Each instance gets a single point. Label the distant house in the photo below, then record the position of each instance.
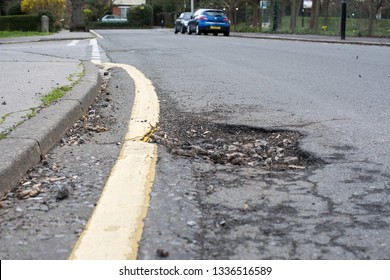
(120, 7)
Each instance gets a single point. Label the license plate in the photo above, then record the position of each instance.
(215, 27)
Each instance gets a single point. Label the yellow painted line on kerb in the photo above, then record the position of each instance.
(116, 225)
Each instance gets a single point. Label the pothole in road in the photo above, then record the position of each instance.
(193, 137)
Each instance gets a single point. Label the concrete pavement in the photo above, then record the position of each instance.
(317, 38)
(62, 35)
(30, 141)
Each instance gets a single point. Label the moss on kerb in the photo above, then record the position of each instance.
(60, 92)
(55, 95)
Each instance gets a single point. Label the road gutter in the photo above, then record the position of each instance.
(116, 225)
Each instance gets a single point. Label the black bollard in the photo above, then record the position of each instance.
(343, 18)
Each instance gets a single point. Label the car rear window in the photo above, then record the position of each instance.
(214, 13)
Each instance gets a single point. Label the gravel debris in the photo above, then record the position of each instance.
(234, 145)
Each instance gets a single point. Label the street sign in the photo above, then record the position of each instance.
(307, 4)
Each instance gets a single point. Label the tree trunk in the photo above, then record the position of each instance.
(293, 19)
(77, 20)
(326, 7)
(315, 11)
(371, 18)
(256, 14)
(276, 15)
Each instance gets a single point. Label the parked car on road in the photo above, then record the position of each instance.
(209, 21)
(182, 22)
(113, 18)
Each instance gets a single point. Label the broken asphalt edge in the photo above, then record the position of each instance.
(33, 139)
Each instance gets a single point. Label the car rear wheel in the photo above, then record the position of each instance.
(226, 33)
(189, 30)
(183, 29)
(176, 31)
(198, 31)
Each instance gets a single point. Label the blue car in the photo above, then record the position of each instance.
(209, 21)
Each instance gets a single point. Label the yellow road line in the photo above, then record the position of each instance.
(116, 225)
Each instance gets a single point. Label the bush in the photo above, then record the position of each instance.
(242, 27)
(15, 9)
(137, 17)
(87, 13)
(56, 7)
(20, 23)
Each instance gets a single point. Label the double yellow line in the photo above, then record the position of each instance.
(116, 225)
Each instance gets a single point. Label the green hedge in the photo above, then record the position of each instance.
(20, 23)
(140, 16)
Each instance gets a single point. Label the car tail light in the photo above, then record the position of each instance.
(226, 19)
(202, 18)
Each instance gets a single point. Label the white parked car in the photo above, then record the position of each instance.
(113, 18)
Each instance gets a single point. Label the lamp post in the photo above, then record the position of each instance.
(235, 19)
(142, 11)
(303, 13)
(343, 19)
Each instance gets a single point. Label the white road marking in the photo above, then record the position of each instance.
(73, 43)
(96, 34)
(95, 57)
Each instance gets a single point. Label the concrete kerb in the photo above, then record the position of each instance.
(29, 142)
(62, 36)
(323, 39)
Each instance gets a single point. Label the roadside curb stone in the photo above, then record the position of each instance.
(15, 161)
(48, 126)
(385, 42)
(29, 142)
(60, 36)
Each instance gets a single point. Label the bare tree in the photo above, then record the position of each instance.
(295, 8)
(373, 9)
(326, 11)
(315, 15)
(256, 12)
(77, 20)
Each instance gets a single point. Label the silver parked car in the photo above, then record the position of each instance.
(182, 22)
(113, 18)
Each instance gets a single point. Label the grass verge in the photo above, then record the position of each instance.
(8, 34)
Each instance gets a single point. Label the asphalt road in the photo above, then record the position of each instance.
(337, 95)
(269, 84)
